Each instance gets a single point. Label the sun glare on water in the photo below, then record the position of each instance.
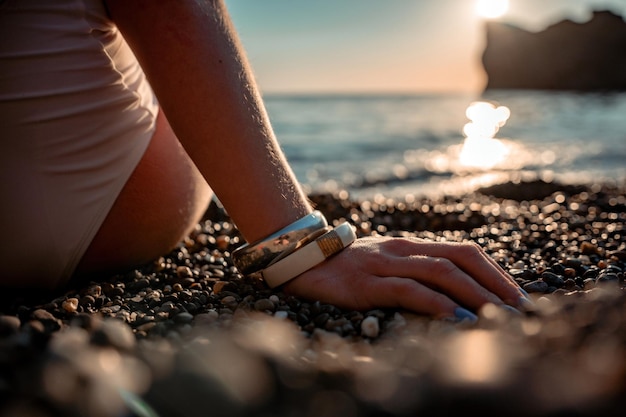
(480, 149)
(491, 9)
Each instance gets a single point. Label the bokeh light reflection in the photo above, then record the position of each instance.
(475, 357)
(480, 149)
(491, 9)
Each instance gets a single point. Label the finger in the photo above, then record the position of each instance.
(476, 263)
(366, 291)
(496, 265)
(398, 292)
(441, 275)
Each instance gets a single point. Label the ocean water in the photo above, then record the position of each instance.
(399, 145)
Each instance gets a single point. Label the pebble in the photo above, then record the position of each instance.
(537, 286)
(552, 279)
(281, 314)
(219, 286)
(8, 325)
(572, 260)
(230, 301)
(113, 332)
(370, 327)
(87, 300)
(70, 305)
(264, 304)
(48, 321)
(183, 318)
(274, 299)
(94, 291)
(184, 272)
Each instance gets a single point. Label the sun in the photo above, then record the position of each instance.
(492, 9)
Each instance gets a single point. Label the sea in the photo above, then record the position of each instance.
(415, 145)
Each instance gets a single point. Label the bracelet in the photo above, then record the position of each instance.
(251, 258)
(309, 255)
(304, 241)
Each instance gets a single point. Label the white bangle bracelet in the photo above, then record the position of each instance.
(309, 255)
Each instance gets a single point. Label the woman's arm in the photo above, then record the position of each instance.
(193, 59)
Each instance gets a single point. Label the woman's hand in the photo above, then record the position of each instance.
(443, 280)
(197, 39)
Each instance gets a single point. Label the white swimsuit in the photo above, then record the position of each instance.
(76, 115)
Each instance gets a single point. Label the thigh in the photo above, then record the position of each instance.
(160, 204)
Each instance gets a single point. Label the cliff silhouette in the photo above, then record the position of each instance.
(588, 56)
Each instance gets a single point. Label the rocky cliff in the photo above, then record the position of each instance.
(565, 56)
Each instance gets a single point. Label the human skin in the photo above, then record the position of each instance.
(192, 57)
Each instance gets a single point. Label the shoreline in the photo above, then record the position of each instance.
(188, 336)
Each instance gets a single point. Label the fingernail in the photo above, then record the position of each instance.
(511, 309)
(462, 314)
(526, 303)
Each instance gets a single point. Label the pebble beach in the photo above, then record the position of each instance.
(187, 335)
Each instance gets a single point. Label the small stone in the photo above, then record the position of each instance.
(70, 305)
(544, 303)
(204, 319)
(217, 273)
(86, 321)
(281, 314)
(222, 242)
(230, 302)
(569, 272)
(589, 283)
(570, 284)
(591, 273)
(524, 274)
(141, 283)
(144, 318)
(608, 278)
(264, 304)
(167, 306)
(573, 263)
(274, 299)
(161, 315)
(87, 300)
(320, 320)
(184, 272)
(95, 291)
(552, 279)
(219, 286)
(370, 327)
(183, 318)
(185, 295)
(398, 321)
(9, 325)
(114, 332)
(146, 327)
(49, 322)
(536, 286)
(587, 248)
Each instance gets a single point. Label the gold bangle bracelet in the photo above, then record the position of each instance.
(308, 256)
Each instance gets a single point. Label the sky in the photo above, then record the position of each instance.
(381, 46)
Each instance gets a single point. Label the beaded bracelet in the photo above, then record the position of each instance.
(308, 256)
(251, 258)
